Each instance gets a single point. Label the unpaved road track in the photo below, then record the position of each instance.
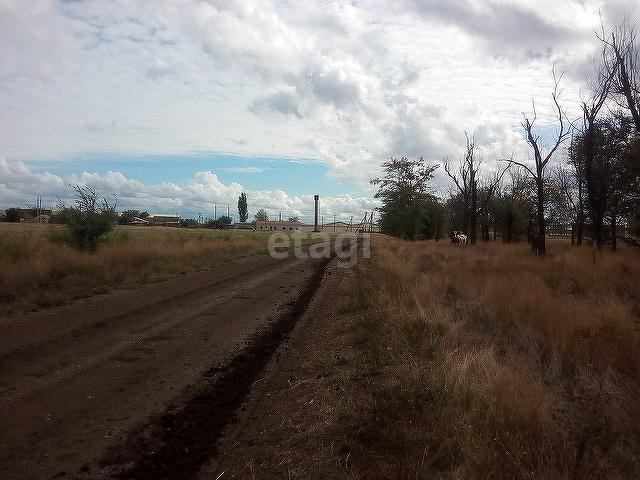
(139, 383)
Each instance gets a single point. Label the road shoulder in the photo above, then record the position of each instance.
(287, 426)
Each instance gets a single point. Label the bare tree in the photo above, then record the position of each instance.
(620, 61)
(466, 182)
(538, 170)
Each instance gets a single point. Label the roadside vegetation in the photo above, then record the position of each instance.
(88, 222)
(38, 270)
(491, 362)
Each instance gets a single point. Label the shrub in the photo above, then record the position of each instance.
(89, 221)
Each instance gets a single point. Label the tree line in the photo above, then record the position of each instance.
(90, 219)
(595, 188)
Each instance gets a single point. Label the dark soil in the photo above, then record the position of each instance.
(176, 443)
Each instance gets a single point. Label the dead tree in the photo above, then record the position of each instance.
(538, 170)
(620, 61)
(466, 182)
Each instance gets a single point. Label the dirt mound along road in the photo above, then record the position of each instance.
(138, 384)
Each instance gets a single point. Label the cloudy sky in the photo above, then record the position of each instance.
(178, 106)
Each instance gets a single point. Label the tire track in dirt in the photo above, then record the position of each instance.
(178, 442)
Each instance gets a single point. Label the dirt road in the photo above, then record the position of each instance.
(140, 383)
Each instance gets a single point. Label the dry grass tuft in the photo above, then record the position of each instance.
(490, 362)
(38, 272)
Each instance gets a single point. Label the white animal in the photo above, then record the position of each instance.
(459, 237)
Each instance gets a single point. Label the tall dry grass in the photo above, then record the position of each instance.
(36, 271)
(487, 361)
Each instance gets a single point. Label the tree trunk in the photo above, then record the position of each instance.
(474, 211)
(580, 226)
(465, 214)
(598, 229)
(511, 218)
(541, 247)
(580, 232)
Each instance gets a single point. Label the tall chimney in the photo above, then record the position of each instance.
(315, 228)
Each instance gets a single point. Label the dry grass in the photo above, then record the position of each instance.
(487, 361)
(38, 272)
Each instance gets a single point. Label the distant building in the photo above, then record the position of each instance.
(244, 226)
(280, 225)
(287, 226)
(168, 220)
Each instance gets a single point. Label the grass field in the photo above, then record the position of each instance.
(36, 271)
(489, 362)
(467, 362)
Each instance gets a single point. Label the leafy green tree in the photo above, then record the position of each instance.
(189, 223)
(14, 215)
(607, 147)
(220, 223)
(513, 206)
(405, 196)
(90, 220)
(570, 179)
(261, 215)
(434, 220)
(243, 210)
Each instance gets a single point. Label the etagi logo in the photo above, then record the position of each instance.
(345, 246)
